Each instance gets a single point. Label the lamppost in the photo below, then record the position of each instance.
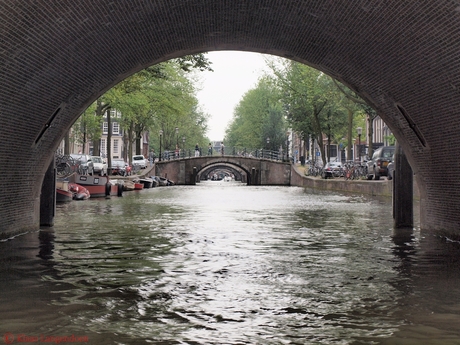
(177, 136)
(360, 131)
(161, 134)
(183, 145)
(268, 147)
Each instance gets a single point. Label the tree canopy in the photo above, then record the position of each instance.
(160, 97)
(258, 116)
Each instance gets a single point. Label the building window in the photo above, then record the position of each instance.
(115, 113)
(115, 128)
(115, 146)
(103, 148)
(105, 128)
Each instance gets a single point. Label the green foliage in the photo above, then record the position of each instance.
(316, 105)
(197, 61)
(160, 97)
(258, 116)
(88, 127)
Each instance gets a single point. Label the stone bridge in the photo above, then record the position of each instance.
(253, 171)
(58, 57)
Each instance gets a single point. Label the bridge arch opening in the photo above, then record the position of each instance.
(54, 59)
(219, 171)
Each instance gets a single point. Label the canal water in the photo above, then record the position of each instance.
(225, 263)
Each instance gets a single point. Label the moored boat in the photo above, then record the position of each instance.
(63, 194)
(128, 185)
(98, 186)
(79, 192)
(147, 182)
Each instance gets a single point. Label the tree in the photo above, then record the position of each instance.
(150, 95)
(258, 116)
(312, 105)
(87, 128)
(360, 104)
(158, 98)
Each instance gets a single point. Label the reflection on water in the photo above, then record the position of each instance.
(224, 263)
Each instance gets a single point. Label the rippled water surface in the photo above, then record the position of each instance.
(225, 263)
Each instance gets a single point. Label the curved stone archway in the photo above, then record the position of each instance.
(239, 173)
(58, 57)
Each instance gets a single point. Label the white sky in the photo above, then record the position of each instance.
(234, 74)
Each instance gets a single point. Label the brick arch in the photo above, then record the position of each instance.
(240, 172)
(227, 162)
(58, 57)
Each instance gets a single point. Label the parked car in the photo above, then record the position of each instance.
(332, 169)
(120, 167)
(81, 163)
(97, 165)
(378, 165)
(139, 162)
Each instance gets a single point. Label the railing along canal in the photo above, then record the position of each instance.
(228, 151)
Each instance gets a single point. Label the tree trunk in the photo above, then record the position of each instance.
(370, 135)
(306, 144)
(138, 143)
(83, 149)
(319, 133)
(350, 134)
(130, 142)
(67, 144)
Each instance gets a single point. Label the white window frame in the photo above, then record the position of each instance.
(115, 128)
(103, 147)
(115, 146)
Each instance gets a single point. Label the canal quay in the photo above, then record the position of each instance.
(382, 187)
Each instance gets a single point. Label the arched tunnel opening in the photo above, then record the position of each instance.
(403, 79)
(219, 172)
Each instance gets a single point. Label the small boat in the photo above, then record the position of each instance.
(79, 192)
(155, 181)
(138, 185)
(128, 185)
(165, 182)
(147, 182)
(63, 194)
(97, 186)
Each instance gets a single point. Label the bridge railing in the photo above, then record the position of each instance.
(228, 151)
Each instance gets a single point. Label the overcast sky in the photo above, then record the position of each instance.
(234, 74)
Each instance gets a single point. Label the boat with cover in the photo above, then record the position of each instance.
(98, 186)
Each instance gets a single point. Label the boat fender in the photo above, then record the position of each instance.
(108, 189)
(120, 189)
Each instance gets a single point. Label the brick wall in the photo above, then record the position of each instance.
(56, 57)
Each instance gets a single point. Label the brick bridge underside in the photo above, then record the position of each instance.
(57, 57)
(257, 171)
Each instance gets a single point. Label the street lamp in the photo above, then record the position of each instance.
(183, 145)
(268, 146)
(177, 136)
(161, 134)
(360, 131)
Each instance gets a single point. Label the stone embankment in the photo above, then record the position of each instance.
(382, 187)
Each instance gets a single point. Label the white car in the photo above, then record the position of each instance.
(139, 162)
(97, 165)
